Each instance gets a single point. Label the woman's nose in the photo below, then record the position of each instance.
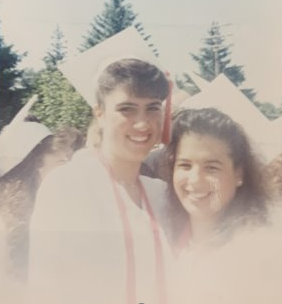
(141, 122)
(194, 175)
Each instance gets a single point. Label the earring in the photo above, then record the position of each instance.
(239, 183)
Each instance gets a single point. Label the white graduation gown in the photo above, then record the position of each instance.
(77, 246)
(245, 270)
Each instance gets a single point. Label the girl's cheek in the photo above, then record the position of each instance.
(214, 183)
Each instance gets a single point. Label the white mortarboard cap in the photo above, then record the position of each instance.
(17, 141)
(222, 94)
(200, 82)
(19, 138)
(83, 69)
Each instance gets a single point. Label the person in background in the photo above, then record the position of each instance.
(273, 176)
(232, 254)
(155, 164)
(28, 152)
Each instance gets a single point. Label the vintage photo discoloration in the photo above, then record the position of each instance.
(140, 151)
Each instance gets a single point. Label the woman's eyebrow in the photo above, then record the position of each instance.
(154, 104)
(157, 102)
(127, 103)
(182, 159)
(214, 161)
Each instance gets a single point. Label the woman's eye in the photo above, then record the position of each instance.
(184, 166)
(212, 169)
(154, 108)
(125, 109)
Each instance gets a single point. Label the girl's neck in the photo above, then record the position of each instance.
(202, 230)
(126, 174)
(123, 171)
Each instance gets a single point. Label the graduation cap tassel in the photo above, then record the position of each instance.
(167, 117)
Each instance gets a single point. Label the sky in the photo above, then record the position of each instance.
(178, 28)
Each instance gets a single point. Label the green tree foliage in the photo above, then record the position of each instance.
(11, 88)
(116, 16)
(250, 93)
(187, 84)
(59, 104)
(58, 50)
(268, 109)
(28, 81)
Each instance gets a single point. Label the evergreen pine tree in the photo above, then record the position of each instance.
(11, 88)
(58, 51)
(186, 83)
(116, 16)
(215, 58)
(268, 109)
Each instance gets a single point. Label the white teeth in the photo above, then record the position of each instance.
(198, 195)
(139, 138)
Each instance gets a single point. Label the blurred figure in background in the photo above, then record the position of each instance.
(273, 176)
(28, 151)
(155, 164)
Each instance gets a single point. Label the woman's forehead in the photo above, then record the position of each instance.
(124, 96)
(202, 145)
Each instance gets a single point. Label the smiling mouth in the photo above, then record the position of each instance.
(139, 139)
(198, 196)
